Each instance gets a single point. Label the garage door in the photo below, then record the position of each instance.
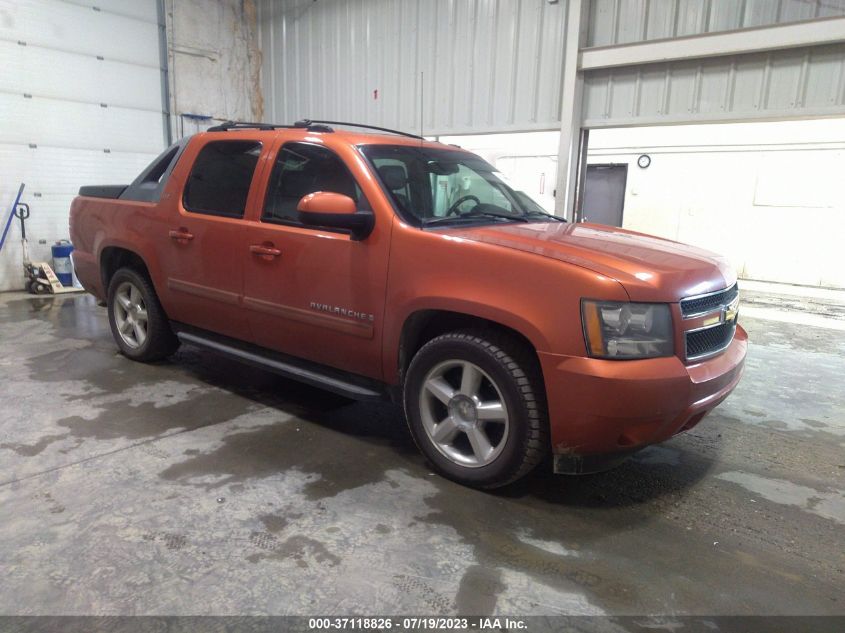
(80, 103)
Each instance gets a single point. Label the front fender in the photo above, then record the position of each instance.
(536, 296)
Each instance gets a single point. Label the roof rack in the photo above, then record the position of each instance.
(309, 123)
(240, 125)
(246, 125)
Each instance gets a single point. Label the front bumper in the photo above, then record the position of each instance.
(609, 408)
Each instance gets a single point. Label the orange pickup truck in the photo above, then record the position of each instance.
(382, 265)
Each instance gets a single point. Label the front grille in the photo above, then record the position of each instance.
(710, 340)
(708, 303)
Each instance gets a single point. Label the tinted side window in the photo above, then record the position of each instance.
(220, 178)
(301, 169)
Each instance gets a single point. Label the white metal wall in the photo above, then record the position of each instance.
(730, 188)
(80, 103)
(792, 83)
(488, 65)
(625, 21)
(496, 65)
(769, 196)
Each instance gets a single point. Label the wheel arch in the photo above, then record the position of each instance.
(423, 325)
(113, 258)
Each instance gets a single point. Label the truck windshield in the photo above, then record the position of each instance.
(445, 187)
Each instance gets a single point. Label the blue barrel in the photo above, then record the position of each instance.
(62, 265)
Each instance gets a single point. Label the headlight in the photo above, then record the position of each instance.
(614, 329)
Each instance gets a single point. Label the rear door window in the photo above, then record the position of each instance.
(221, 177)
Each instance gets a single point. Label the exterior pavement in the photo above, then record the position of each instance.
(201, 486)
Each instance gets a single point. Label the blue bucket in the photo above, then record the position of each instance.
(62, 265)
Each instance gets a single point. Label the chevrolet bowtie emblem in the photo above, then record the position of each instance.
(731, 310)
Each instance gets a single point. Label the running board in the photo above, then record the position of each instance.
(289, 367)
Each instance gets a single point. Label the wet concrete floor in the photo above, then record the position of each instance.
(199, 485)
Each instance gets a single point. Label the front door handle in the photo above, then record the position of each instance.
(266, 251)
(182, 235)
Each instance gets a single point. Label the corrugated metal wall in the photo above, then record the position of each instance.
(496, 65)
(488, 65)
(781, 84)
(624, 21)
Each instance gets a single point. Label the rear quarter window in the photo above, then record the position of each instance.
(220, 178)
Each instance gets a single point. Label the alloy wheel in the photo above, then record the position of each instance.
(463, 413)
(130, 314)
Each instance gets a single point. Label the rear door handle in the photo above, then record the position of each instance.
(264, 250)
(182, 235)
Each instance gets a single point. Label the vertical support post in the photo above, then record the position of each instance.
(165, 73)
(570, 110)
(581, 176)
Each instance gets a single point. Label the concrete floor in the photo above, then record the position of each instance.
(203, 486)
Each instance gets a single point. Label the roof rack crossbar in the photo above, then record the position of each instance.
(239, 125)
(312, 126)
(309, 122)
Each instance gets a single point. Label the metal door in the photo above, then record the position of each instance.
(604, 194)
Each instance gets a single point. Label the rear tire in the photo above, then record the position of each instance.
(476, 407)
(138, 323)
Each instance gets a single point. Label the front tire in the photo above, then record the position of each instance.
(476, 407)
(138, 323)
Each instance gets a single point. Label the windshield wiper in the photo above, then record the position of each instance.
(543, 214)
(474, 216)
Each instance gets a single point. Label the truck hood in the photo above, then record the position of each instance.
(649, 268)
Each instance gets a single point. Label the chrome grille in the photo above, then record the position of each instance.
(710, 340)
(708, 303)
(716, 314)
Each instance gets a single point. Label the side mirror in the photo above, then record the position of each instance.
(336, 211)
